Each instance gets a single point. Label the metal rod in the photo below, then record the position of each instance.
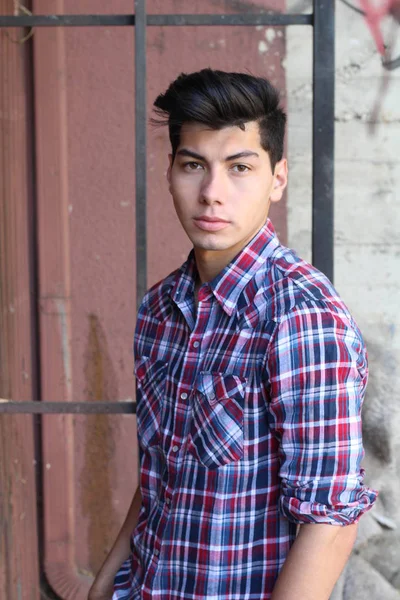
(88, 408)
(323, 137)
(243, 19)
(272, 19)
(140, 152)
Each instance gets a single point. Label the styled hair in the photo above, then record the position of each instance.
(219, 99)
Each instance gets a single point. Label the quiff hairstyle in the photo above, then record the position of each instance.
(219, 99)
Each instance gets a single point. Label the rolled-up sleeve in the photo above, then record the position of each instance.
(317, 372)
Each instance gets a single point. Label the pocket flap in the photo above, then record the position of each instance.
(150, 383)
(216, 386)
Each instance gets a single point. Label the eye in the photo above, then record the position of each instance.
(240, 168)
(192, 166)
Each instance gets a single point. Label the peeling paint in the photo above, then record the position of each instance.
(262, 47)
(65, 344)
(270, 34)
(219, 43)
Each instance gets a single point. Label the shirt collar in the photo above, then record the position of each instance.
(229, 284)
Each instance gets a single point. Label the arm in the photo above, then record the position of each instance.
(102, 588)
(315, 562)
(317, 367)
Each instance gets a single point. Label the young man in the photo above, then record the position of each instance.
(250, 378)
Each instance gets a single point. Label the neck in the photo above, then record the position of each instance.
(210, 264)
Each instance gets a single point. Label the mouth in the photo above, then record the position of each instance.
(210, 223)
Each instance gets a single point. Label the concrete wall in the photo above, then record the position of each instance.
(367, 263)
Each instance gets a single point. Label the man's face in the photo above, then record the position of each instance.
(222, 185)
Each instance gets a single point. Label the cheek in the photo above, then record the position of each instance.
(249, 195)
(250, 207)
(184, 193)
(181, 204)
(249, 187)
(177, 203)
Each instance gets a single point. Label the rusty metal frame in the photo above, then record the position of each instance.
(323, 22)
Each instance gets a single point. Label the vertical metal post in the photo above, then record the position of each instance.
(140, 148)
(323, 136)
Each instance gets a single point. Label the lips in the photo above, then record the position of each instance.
(210, 223)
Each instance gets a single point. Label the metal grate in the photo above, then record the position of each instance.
(323, 22)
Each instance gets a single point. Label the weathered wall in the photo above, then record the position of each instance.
(367, 219)
(19, 573)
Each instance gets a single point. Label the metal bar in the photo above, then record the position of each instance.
(140, 149)
(243, 19)
(67, 20)
(323, 136)
(83, 408)
(272, 19)
(35, 318)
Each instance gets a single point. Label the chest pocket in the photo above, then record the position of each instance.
(216, 431)
(150, 383)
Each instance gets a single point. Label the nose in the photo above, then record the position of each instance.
(212, 188)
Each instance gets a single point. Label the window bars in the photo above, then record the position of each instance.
(322, 19)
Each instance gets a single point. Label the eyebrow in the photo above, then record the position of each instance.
(192, 154)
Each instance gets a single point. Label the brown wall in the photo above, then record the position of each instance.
(19, 571)
(85, 176)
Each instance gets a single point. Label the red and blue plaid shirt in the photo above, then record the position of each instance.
(248, 417)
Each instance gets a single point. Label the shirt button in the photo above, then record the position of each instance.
(196, 344)
(156, 552)
(212, 396)
(184, 395)
(175, 448)
(168, 501)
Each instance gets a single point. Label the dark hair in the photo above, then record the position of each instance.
(219, 99)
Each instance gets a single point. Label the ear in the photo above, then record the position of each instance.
(280, 180)
(169, 170)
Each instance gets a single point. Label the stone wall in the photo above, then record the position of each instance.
(367, 262)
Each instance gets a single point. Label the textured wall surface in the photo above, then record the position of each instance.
(367, 261)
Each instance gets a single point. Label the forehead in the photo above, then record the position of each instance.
(198, 135)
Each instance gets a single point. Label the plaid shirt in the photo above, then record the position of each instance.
(248, 417)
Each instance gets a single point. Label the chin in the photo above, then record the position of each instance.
(210, 247)
(208, 242)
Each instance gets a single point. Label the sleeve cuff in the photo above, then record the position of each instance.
(302, 512)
